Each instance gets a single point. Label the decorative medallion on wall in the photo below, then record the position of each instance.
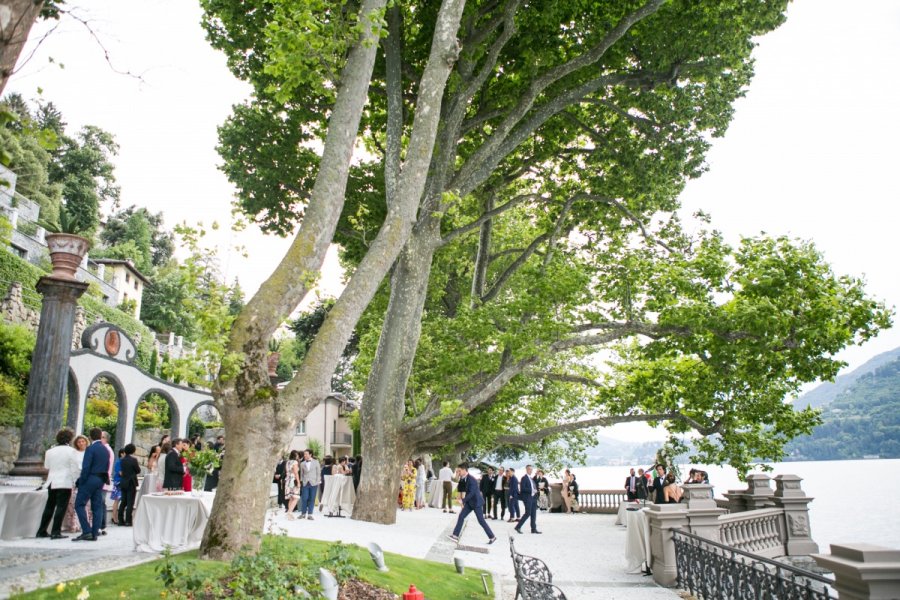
(109, 340)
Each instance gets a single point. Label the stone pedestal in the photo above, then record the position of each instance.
(863, 571)
(664, 518)
(790, 497)
(703, 513)
(759, 492)
(49, 373)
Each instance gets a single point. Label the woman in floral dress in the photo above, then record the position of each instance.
(408, 477)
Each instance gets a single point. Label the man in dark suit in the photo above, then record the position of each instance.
(174, 474)
(94, 474)
(528, 492)
(487, 490)
(659, 482)
(631, 483)
(129, 469)
(513, 495)
(472, 502)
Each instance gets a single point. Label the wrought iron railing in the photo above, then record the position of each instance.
(714, 571)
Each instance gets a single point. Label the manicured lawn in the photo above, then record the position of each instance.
(436, 580)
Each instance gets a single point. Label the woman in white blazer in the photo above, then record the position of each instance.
(63, 465)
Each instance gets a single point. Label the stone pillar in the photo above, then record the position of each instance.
(664, 518)
(737, 500)
(703, 513)
(759, 493)
(49, 373)
(790, 497)
(863, 571)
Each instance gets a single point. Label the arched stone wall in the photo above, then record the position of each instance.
(108, 351)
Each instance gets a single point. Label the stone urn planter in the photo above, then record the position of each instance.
(66, 253)
(272, 363)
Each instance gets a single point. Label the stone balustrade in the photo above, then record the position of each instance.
(758, 531)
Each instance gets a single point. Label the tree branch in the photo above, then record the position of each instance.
(487, 215)
(393, 58)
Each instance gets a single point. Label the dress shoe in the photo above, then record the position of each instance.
(58, 536)
(42, 534)
(492, 540)
(84, 537)
(517, 530)
(102, 532)
(453, 538)
(537, 532)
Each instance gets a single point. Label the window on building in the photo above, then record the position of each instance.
(135, 284)
(301, 428)
(127, 278)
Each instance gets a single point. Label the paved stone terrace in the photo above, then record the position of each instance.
(585, 552)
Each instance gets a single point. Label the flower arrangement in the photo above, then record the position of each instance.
(202, 462)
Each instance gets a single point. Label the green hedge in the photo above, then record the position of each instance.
(13, 268)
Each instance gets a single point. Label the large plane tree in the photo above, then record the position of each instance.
(536, 225)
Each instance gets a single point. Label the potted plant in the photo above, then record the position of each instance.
(66, 244)
(274, 356)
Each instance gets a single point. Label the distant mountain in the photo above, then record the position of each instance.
(862, 421)
(827, 392)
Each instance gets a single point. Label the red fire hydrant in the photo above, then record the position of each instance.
(413, 594)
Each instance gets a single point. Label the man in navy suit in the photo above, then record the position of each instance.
(94, 474)
(473, 502)
(528, 493)
(513, 498)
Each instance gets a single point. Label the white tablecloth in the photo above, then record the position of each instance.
(637, 540)
(175, 521)
(436, 493)
(20, 512)
(339, 493)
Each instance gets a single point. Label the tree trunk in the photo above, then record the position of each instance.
(16, 19)
(384, 406)
(237, 517)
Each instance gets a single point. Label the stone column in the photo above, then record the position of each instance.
(790, 497)
(863, 571)
(49, 373)
(703, 513)
(759, 492)
(664, 518)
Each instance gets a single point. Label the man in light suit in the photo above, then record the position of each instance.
(94, 474)
(528, 492)
(472, 502)
(62, 465)
(310, 474)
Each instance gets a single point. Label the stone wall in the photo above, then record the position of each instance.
(9, 448)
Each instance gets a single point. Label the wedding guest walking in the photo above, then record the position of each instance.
(528, 491)
(61, 462)
(513, 498)
(472, 502)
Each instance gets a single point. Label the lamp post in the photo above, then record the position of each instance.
(49, 373)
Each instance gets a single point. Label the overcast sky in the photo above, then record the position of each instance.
(812, 151)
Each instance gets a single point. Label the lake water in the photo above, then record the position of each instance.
(854, 499)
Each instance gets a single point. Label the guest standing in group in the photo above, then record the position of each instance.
(108, 486)
(212, 480)
(528, 491)
(327, 469)
(150, 483)
(94, 473)
(116, 493)
(70, 522)
(488, 479)
(61, 462)
(279, 478)
(631, 484)
(672, 492)
(659, 484)
(420, 483)
(500, 488)
(292, 487)
(357, 471)
(408, 483)
(129, 469)
(543, 489)
(513, 497)
(445, 477)
(310, 473)
(472, 502)
(174, 474)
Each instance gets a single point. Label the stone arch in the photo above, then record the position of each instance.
(197, 407)
(73, 396)
(122, 417)
(174, 416)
